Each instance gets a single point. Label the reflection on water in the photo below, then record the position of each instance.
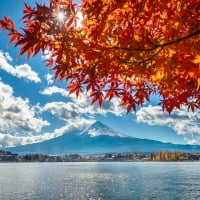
(109, 181)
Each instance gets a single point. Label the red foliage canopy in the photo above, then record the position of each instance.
(120, 48)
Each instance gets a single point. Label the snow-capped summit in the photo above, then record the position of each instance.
(97, 129)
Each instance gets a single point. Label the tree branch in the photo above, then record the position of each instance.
(148, 59)
(156, 45)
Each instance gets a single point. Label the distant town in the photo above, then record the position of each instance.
(7, 156)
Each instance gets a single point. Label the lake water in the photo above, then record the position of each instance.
(93, 181)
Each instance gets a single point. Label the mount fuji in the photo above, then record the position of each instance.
(96, 139)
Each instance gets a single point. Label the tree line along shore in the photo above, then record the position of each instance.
(7, 156)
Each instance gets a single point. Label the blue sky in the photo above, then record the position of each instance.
(34, 107)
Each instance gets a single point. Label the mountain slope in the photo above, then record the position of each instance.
(99, 138)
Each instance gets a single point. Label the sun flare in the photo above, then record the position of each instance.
(60, 16)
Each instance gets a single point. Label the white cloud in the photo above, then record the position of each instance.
(20, 71)
(54, 90)
(7, 56)
(16, 114)
(83, 102)
(8, 140)
(64, 111)
(25, 71)
(46, 55)
(181, 121)
(192, 141)
(49, 78)
(79, 19)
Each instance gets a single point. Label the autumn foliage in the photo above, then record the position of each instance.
(129, 49)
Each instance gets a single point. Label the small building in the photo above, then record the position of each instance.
(194, 156)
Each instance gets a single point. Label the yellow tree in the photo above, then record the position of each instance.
(129, 49)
